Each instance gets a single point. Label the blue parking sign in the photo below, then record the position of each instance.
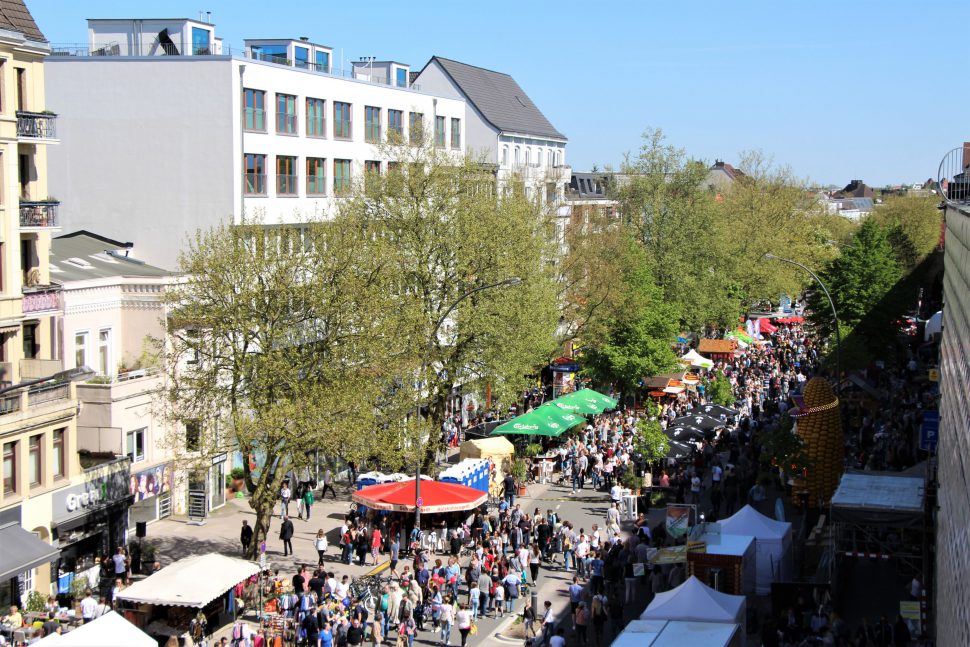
(929, 432)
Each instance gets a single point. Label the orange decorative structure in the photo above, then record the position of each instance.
(820, 426)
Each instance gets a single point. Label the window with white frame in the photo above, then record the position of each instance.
(505, 156)
(104, 351)
(528, 157)
(80, 349)
(135, 445)
(539, 157)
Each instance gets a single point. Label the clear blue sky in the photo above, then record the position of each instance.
(837, 90)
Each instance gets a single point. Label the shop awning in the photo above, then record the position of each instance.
(436, 496)
(190, 582)
(109, 630)
(22, 551)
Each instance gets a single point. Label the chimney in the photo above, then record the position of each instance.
(305, 39)
(966, 154)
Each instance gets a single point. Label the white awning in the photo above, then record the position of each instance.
(190, 582)
(110, 630)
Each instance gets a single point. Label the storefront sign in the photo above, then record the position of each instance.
(221, 458)
(79, 500)
(151, 482)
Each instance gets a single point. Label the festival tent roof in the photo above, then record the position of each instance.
(676, 633)
(702, 422)
(191, 582)
(487, 448)
(677, 449)
(585, 401)
(712, 410)
(773, 543)
(722, 346)
(110, 630)
(660, 382)
(684, 433)
(544, 421)
(436, 497)
(695, 601)
(934, 325)
(694, 358)
(884, 499)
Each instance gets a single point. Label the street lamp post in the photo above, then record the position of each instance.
(431, 339)
(835, 315)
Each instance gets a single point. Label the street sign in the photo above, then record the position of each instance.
(929, 432)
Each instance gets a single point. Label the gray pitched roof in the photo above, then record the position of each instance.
(499, 98)
(82, 255)
(14, 16)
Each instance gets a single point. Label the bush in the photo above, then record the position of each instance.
(533, 449)
(35, 602)
(238, 473)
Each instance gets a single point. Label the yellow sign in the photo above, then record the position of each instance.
(934, 375)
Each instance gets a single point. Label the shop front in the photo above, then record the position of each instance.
(22, 552)
(151, 494)
(90, 522)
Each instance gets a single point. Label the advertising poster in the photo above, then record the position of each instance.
(678, 519)
(151, 482)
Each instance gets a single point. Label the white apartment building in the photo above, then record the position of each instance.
(504, 126)
(166, 130)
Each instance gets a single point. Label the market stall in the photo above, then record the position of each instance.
(436, 497)
(773, 545)
(694, 601)
(109, 630)
(731, 560)
(174, 594)
(693, 358)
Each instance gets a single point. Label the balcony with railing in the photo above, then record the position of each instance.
(42, 300)
(22, 404)
(39, 214)
(953, 177)
(36, 127)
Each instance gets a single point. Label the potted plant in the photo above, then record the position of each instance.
(519, 471)
(148, 553)
(533, 449)
(238, 479)
(631, 481)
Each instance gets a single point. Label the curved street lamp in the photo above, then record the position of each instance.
(431, 338)
(835, 315)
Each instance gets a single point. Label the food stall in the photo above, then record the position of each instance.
(729, 559)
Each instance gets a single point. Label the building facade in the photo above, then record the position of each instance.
(271, 131)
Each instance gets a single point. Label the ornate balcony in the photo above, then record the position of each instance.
(36, 127)
(42, 300)
(39, 214)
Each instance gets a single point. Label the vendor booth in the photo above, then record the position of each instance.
(677, 633)
(697, 602)
(172, 596)
(695, 359)
(498, 451)
(719, 350)
(109, 630)
(729, 560)
(773, 545)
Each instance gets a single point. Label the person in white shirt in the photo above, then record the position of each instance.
(89, 607)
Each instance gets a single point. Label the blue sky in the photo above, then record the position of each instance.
(875, 90)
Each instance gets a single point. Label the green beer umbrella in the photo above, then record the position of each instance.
(544, 421)
(584, 401)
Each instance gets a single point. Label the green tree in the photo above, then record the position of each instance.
(650, 441)
(663, 196)
(277, 348)
(913, 223)
(452, 233)
(860, 281)
(719, 390)
(638, 337)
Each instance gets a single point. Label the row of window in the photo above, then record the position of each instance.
(41, 468)
(554, 157)
(287, 175)
(315, 113)
(82, 357)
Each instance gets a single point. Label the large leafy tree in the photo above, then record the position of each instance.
(860, 281)
(277, 347)
(913, 225)
(451, 233)
(662, 195)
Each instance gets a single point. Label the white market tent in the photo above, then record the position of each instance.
(742, 546)
(696, 602)
(934, 326)
(676, 633)
(773, 544)
(110, 630)
(190, 582)
(694, 358)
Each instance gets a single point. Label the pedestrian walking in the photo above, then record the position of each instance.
(286, 534)
(245, 536)
(285, 495)
(307, 502)
(328, 484)
(320, 544)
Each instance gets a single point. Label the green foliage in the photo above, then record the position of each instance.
(650, 441)
(533, 449)
(783, 448)
(519, 470)
(35, 602)
(637, 337)
(238, 473)
(719, 390)
(860, 280)
(913, 223)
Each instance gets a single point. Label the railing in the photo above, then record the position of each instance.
(316, 185)
(44, 394)
(38, 213)
(953, 176)
(36, 125)
(286, 123)
(41, 301)
(286, 184)
(9, 404)
(255, 183)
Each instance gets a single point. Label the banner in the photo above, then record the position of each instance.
(151, 482)
(678, 519)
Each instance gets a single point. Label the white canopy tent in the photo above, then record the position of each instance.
(190, 582)
(110, 630)
(934, 325)
(694, 358)
(695, 601)
(676, 633)
(773, 544)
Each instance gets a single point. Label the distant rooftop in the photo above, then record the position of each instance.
(81, 255)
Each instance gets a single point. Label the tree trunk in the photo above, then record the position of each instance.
(263, 507)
